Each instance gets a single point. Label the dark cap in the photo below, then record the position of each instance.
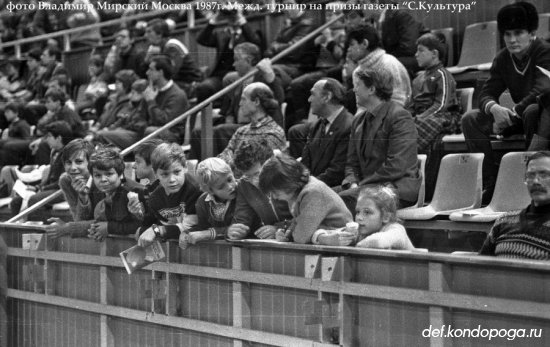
(519, 15)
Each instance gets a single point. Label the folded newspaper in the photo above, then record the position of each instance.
(137, 257)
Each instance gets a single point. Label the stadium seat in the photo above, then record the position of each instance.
(129, 171)
(192, 167)
(465, 98)
(510, 193)
(448, 34)
(458, 187)
(543, 31)
(479, 47)
(422, 191)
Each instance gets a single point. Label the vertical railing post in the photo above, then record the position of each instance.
(106, 335)
(438, 282)
(171, 284)
(241, 293)
(207, 139)
(18, 51)
(3, 291)
(67, 42)
(345, 305)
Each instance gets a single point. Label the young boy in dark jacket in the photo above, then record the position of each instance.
(216, 205)
(171, 208)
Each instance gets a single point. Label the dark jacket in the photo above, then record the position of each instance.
(306, 55)
(119, 220)
(325, 154)
(169, 210)
(386, 151)
(254, 210)
(219, 38)
(206, 220)
(400, 32)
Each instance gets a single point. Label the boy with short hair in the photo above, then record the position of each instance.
(17, 134)
(172, 203)
(144, 171)
(433, 103)
(18, 128)
(216, 205)
(110, 215)
(58, 134)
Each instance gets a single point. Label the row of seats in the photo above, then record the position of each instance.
(458, 189)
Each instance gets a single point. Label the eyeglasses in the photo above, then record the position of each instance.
(541, 175)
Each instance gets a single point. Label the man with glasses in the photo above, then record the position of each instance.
(525, 234)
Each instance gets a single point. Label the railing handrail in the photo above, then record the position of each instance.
(192, 110)
(441, 257)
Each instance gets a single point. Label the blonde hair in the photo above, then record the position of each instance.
(209, 170)
(385, 198)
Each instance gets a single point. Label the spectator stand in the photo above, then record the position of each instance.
(204, 106)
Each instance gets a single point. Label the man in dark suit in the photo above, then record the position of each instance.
(325, 151)
(383, 142)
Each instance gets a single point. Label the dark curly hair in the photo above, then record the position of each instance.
(76, 147)
(250, 152)
(283, 173)
(106, 158)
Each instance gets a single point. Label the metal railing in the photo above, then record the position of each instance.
(268, 293)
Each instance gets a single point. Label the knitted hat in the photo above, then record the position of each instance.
(520, 15)
(140, 85)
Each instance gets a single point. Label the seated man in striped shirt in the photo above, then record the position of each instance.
(525, 234)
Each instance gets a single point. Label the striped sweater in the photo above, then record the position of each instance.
(521, 234)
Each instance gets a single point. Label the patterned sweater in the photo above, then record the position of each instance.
(266, 127)
(521, 234)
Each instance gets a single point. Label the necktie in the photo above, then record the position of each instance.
(324, 123)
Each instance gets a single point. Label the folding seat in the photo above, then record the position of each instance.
(510, 192)
(479, 47)
(543, 31)
(422, 191)
(465, 98)
(458, 187)
(192, 167)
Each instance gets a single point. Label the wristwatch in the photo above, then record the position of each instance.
(156, 230)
